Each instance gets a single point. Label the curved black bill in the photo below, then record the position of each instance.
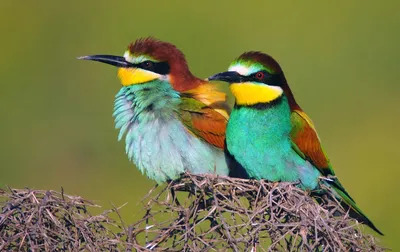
(230, 76)
(117, 61)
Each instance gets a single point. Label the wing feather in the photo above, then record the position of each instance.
(306, 143)
(205, 114)
(306, 138)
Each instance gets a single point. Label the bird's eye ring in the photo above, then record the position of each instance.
(260, 75)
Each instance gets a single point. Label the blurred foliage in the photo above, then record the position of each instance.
(56, 129)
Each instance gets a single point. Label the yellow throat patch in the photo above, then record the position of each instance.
(248, 93)
(131, 76)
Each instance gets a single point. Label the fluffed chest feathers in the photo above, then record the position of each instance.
(156, 140)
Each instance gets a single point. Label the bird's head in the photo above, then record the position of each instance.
(255, 78)
(149, 59)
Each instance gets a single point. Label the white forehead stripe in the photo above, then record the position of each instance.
(242, 70)
(128, 56)
(133, 59)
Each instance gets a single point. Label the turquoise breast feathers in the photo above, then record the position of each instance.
(156, 140)
(260, 142)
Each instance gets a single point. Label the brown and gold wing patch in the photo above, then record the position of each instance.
(203, 121)
(211, 126)
(306, 138)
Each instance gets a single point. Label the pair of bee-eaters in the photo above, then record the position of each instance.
(175, 122)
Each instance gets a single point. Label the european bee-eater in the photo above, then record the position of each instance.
(172, 121)
(270, 136)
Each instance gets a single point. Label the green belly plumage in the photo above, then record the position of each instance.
(259, 139)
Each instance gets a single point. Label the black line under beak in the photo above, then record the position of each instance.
(117, 61)
(231, 77)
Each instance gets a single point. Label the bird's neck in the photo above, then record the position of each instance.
(289, 95)
(264, 119)
(147, 101)
(181, 78)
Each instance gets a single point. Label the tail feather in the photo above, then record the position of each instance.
(348, 203)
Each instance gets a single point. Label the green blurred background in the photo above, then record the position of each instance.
(340, 57)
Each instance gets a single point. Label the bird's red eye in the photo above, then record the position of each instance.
(260, 75)
(147, 64)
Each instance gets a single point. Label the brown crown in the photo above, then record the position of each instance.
(262, 58)
(180, 76)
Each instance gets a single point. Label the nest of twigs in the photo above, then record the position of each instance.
(195, 213)
(208, 213)
(37, 220)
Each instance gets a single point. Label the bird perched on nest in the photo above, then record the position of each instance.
(173, 121)
(270, 136)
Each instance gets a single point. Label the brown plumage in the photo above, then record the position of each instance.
(211, 126)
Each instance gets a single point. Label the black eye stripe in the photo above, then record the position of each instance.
(270, 79)
(156, 67)
(275, 80)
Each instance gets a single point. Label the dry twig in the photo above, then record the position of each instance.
(37, 220)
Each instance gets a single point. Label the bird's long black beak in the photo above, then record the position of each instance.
(117, 61)
(230, 76)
